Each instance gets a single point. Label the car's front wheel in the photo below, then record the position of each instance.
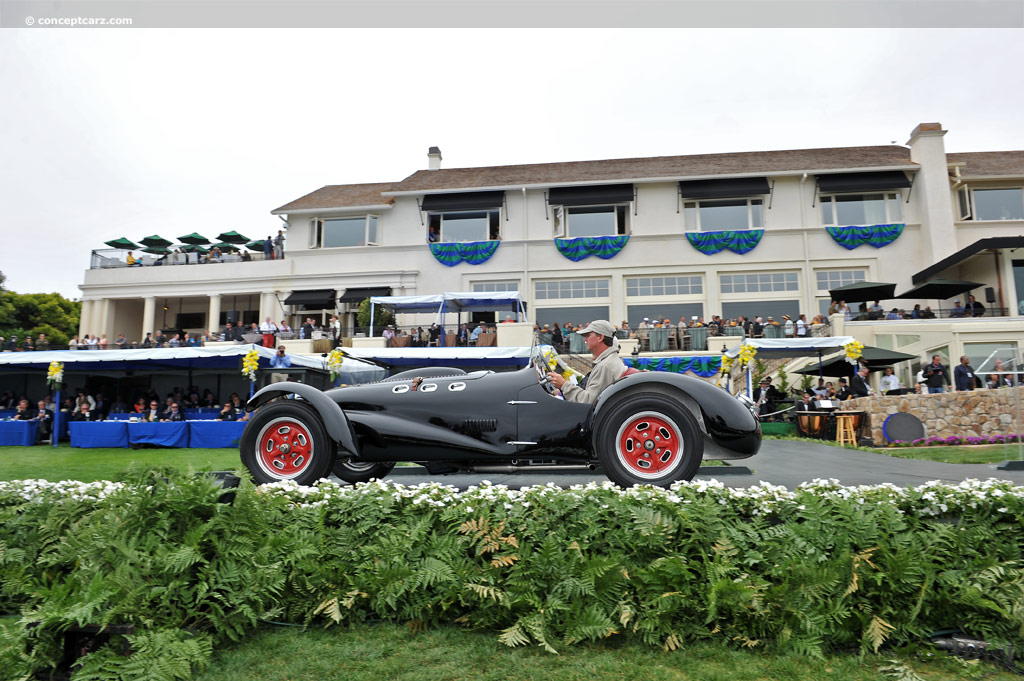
(361, 471)
(648, 439)
(285, 440)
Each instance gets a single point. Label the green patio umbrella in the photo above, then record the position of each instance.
(194, 248)
(864, 292)
(233, 237)
(255, 246)
(874, 358)
(156, 249)
(194, 239)
(225, 247)
(940, 289)
(155, 241)
(122, 243)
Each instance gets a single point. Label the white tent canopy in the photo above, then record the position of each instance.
(453, 301)
(812, 346)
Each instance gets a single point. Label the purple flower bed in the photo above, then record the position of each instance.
(956, 440)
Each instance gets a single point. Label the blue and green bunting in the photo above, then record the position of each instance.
(875, 235)
(473, 252)
(704, 367)
(740, 241)
(603, 247)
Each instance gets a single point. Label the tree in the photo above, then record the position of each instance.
(381, 318)
(30, 314)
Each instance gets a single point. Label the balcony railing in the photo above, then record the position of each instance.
(112, 258)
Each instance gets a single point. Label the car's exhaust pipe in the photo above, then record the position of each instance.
(540, 468)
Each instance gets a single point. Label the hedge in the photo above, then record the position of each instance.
(810, 570)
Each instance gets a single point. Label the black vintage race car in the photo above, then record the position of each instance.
(647, 428)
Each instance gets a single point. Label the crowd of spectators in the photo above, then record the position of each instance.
(84, 405)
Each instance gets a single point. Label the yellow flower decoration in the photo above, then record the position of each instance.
(747, 354)
(854, 349)
(558, 365)
(55, 374)
(726, 367)
(250, 363)
(334, 361)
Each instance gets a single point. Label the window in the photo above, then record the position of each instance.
(861, 209)
(479, 225)
(983, 356)
(999, 204)
(495, 286)
(707, 216)
(576, 288)
(595, 220)
(765, 282)
(830, 279)
(345, 232)
(664, 286)
(963, 200)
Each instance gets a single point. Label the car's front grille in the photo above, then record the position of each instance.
(480, 425)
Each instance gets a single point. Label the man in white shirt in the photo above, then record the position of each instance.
(801, 326)
(889, 382)
(268, 328)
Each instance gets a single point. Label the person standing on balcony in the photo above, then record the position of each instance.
(279, 245)
(268, 249)
(974, 308)
(268, 329)
(963, 375)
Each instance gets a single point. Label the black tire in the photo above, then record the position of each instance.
(361, 471)
(286, 440)
(631, 437)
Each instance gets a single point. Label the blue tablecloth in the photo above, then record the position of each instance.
(215, 434)
(7, 413)
(659, 339)
(201, 414)
(90, 434)
(577, 346)
(170, 434)
(121, 417)
(18, 433)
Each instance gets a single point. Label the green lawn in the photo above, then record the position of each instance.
(87, 465)
(372, 653)
(969, 454)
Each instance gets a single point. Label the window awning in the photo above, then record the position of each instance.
(725, 188)
(590, 195)
(862, 182)
(358, 295)
(321, 298)
(979, 246)
(463, 201)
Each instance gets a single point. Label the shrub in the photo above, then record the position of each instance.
(805, 570)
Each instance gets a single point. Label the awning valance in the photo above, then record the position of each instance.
(321, 298)
(862, 182)
(591, 195)
(463, 201)
(725, 188)
(358, 295)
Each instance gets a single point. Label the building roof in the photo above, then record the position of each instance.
(340, 196)
(701, 165)
(989, 163)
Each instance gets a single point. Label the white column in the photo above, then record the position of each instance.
(148, 317)
(268, 307)
(85, 319)
(106, 319)
(213, 316)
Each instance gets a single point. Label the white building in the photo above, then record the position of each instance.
(929, 213)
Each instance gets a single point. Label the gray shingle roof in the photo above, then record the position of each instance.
(989, 163)
(702, 165)
(340, 196)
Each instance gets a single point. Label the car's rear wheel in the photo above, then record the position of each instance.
(648, 439)
(361, 471)
(286, 441)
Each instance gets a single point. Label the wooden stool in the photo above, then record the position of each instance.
(844, 429)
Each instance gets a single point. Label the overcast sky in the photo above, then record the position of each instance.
(109, 133)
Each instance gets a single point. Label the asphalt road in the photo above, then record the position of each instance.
(780, 462)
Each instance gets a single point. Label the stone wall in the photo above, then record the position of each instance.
(964, 414)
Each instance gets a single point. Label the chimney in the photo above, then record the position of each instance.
(930, 198)
(434, 156)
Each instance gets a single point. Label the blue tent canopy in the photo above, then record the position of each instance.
(455, 301)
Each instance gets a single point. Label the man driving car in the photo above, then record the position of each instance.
(599, 337)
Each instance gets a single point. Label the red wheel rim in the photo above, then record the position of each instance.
(649, 445)
(285, 448)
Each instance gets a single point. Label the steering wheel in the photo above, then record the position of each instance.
(542, 375)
